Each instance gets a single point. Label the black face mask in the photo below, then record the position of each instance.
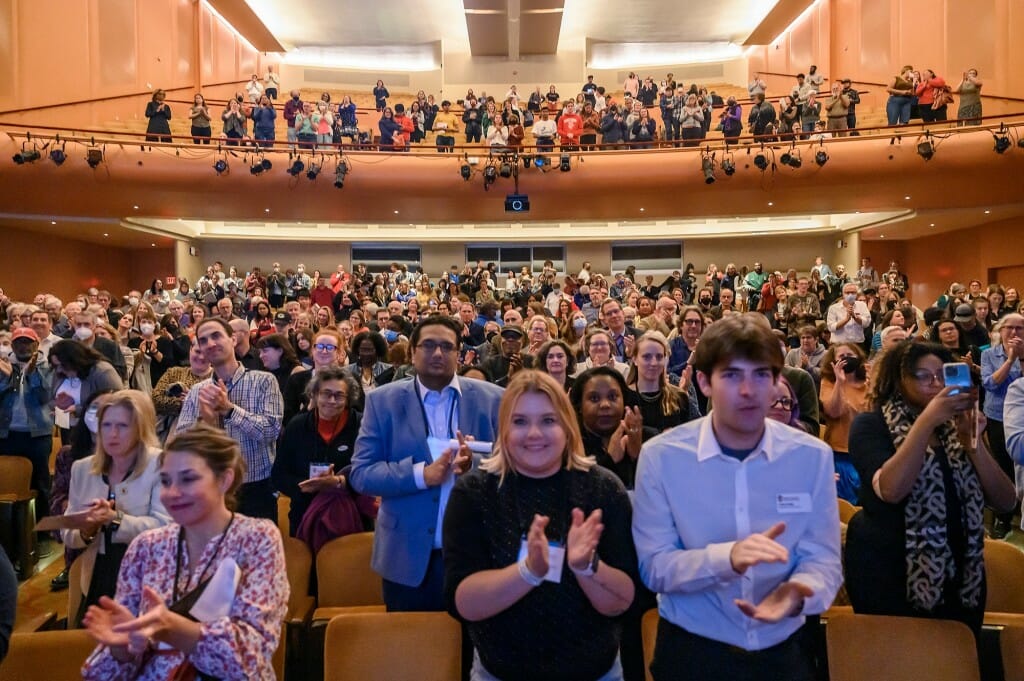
(295, 99)
(705, 301)
(239, 99)
(491, 335)
(851, 365)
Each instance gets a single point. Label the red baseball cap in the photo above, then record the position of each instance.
(24, 332)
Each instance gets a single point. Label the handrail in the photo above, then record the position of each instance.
(248, 146)
(884, 85)
(105, 99)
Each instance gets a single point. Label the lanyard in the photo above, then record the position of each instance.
(177, 559)
(451, 411)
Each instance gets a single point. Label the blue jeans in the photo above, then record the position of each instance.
(897, 109)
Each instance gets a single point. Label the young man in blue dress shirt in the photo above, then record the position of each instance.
(736, 523)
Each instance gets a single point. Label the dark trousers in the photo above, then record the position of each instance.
(682, 656)
(997, 445)
(445, 143)
(201, 135)
(37, 451)
(427, 597)
(257, 500)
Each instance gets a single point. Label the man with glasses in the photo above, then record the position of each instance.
(393, 460)
(247, 405)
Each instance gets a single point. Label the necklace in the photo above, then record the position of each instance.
(649, 397)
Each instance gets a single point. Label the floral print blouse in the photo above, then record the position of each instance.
(239, 646)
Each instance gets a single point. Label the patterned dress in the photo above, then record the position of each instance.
(239, 646)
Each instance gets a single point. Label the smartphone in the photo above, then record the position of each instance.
(958, 375)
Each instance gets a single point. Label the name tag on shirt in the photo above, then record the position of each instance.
(556, 558)
(794, 502)
(318, 469)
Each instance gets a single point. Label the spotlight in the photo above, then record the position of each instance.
(761, 161)
(313, 171)
(563, 163)
(297, 167)
(465, 171)
(785, 158)
(261, 166)
(505, 170)
(221, 166)
(339, 175)
(527, 160)
(539, 161)
(926, 150)
(58, 157)
(1002, 143)
(791, 159)
(1020, 143)
(490, 175)
(728, 166)
(94, 156)
(821, 158)
(27, 156)
(707, 166)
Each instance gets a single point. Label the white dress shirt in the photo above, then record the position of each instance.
(693, 503)
(852, 331)
(441, 410)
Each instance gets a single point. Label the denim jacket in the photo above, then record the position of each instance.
(37, 399)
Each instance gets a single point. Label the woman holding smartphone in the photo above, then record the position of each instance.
(916, 547)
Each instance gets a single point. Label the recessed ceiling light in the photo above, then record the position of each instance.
(881, 236)
(857, 212)
(154, 245)
(932, 224)
(770, 203)
(266, 210)
(135, 207)
(396, 212)
(641, 210)
(987, 212)
(105, 234)
(907, 197)
(53, 222)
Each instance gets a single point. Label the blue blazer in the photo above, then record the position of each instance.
(392, 439)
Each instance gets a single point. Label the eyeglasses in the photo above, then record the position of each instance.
(325, 347)
(331, 396)
(692, 322)
(784, 403)
(430, 347)
(925, 377)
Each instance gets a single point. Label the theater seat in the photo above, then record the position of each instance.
(288, 659)
(878, 648)
(344, 575)
(17, 514)
(1004, 566)
(846, 510)
(397, 646)
(649, 634)
(1011, 643)
(46, 656)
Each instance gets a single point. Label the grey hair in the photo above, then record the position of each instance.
(334, 372)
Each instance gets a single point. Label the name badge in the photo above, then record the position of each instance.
(556, 558)
(318, 469)
(794, 502)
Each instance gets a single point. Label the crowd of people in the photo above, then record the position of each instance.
(648, 113)
(538, 453)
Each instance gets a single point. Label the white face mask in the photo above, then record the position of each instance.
(147, 329)
(92, 418)
(83, 333)
(6, 351)
(133, 301)
(850, 297)
(579, 324)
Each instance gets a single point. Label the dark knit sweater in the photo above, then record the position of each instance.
(553, 632)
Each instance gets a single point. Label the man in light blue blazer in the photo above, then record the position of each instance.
(392, 460)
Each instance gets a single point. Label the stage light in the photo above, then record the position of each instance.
(27, 156)
(490, 175)
(297, 167)
(539, 161)
(94, 156)
(313, 171)
(465, 171)
(221, 166)
(926, 150)
(505, 169)
(1002, 143)
(791, 158)
(707, 166)
(821, 158)
(339, 174)
(784, 159)
(58, 156)
(261, 166)
(728, 166)
(563, 163)
(761, 161)
(527, 160)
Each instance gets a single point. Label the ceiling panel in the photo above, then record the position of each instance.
(488, 34)
(539, 33)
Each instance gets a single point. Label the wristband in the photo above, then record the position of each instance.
(529, 577)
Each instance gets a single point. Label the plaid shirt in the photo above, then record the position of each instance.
(255, 422)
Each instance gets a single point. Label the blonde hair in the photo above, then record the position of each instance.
(502, 462)
(143, 418)
(669, 393)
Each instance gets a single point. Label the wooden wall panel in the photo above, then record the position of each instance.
(8, 49)
(970, 41)
(184, 46)
(115, 38)
(47, 34)
(248, 60)
(224, 52)
(875, 55)
(802, 52)
(922, 34)
(1007, 39)
(156, 28)
(206, 40)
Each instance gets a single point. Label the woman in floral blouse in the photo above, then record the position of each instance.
(148, 632)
